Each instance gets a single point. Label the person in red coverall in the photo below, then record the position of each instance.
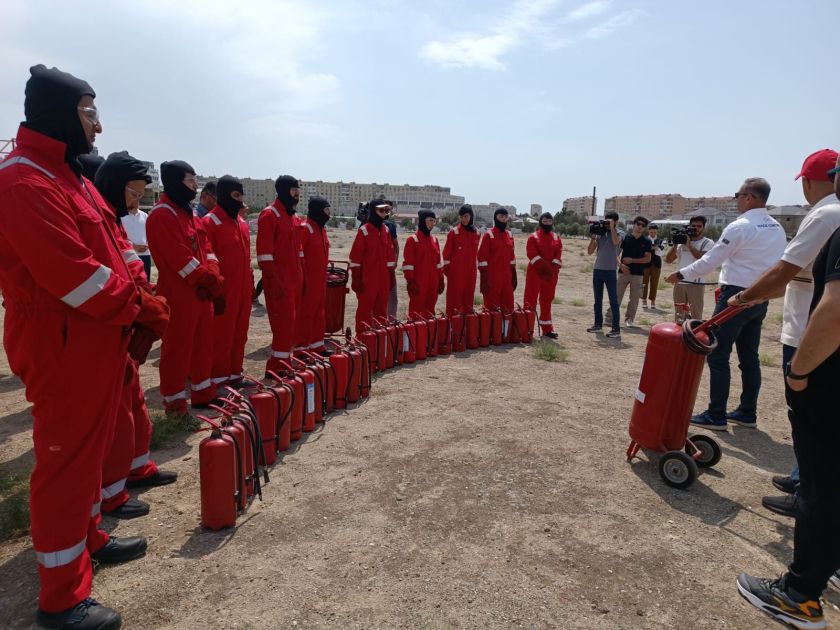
(459, 263)
(311, 325)
(71, 313)
(497, 264)
(373, 265)
(230, 239)
(280, 258)
(422, 267)
(190, 279)
(544, 250)
(121, 180)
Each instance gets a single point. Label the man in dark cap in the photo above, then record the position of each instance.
(373, 265)
(312, 232)
(70, 306)
(280, 258)
(230, 239)
(190, 279)
(497, 264)
(459, 263)
(544, 250)
(422, 267)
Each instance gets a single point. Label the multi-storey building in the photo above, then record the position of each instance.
(536, 210)
(660, 206)
(584, 206)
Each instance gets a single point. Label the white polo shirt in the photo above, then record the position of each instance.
(685, 257)
(748, 247)
(816, 228)
(135, 227)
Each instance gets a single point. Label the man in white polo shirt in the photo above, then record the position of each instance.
(748, 247)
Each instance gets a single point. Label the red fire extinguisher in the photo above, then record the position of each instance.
(421, 336)
(497, 331)
(459, 332)
(473, 329)
(444, 335)
(342, 366)
(507, 320)
(297, 384)
(365, 359)
(318, 387)
(408, 342)
(531, 316)
(242, 424)
(218, 464)
(310, 394)
(336, 294)
(370, 340)
(284, 396)
(387, 334)
(485, 328)
(432, 328)
(264, 406)
(329, 378)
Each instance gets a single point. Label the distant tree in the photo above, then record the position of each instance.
(573, 229)
(407, 224)
(333, 222)
(529, 228)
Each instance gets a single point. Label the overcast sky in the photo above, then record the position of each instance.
(516, 102)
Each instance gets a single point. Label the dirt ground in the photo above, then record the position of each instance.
(488, 489)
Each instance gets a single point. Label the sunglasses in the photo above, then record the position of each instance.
(743, 194)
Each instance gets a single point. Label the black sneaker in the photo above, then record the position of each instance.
(133, 508)
(206, 405)
(787, 505)
(614, 333)
(88, 614)
(160, 478)
(785, 484)
(774, 599)
(551, 335)
(595, 328)
(119, 550)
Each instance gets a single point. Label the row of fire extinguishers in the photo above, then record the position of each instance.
(264, 418)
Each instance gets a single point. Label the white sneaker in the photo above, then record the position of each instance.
(834, 580)
(644, 304)
(628, 323)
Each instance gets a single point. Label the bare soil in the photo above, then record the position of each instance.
(488, 489)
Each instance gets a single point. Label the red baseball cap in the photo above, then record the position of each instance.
(817, 165)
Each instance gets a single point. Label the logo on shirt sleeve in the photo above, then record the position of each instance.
(725, 241)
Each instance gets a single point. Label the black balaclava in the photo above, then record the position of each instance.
(90, 164)
(421, 220)
(226, 185)
(374, 218)
(283, 185)
(546, 228)
(50, 106)
(499, 225)
(316, 211)
(113, 176)
(172, 175)
(468, 209)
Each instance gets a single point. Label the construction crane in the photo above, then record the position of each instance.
(6, 147)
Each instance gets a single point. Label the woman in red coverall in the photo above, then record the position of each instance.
(422, 267)
(544, 250)
(311, 325)
(497, 264)
(459, 263)
(230, 239)
(189, 279)
(373, 265)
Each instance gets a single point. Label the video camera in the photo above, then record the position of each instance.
(680, 235)
(599, 228)
(362, 213)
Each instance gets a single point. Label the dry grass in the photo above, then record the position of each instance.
(549, 351)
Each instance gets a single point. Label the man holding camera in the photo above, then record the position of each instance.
(747, 248)
(605, 238)
(689, 246)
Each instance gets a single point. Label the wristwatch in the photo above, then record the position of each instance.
(793, 376)
(680, 276)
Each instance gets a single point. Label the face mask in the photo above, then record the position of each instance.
(172, 175)
(499, 225)
(224, 189)
(317, 210)
(283, 186)
(421, 221)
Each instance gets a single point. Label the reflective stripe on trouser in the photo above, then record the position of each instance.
(142, 465)
(187, 348)
(74, 394)
(118, 457)
(540, 291)
(230, 333)
(282, 315)
(373, 301)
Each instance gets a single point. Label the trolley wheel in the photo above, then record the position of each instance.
(710, 452)
(678, 469)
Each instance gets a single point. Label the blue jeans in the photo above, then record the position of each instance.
(147, 266)
(787, 356)
(744, 331)
(605, 278)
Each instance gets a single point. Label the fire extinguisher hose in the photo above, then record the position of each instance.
(692, 341)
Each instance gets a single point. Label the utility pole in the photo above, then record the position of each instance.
(594, 201)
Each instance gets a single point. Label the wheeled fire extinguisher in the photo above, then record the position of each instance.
(218, 464)
(337, 275)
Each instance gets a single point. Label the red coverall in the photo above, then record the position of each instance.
(545, 253)
(69, 300)
(231, 242)
(182, 254)
(495, 253)
(311, 325)
(459, 265)
(280, 258)
(373, 257)
(421, 265)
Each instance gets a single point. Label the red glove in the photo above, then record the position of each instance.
(356, 282)
(211, 281)
(484, 285)
(513, 279)
(154, 313)
(393, 273)
(441, 285)
(219, 306)
(141, 342)
(413, 289)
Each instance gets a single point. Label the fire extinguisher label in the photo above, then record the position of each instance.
(310, 398)
(406, 345)
(505, 325)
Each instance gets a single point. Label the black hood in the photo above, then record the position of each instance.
(501, 226)
(50, 106)
(546, 228)
(317, 210)
(373, 218)
(172, 175)
(468, 209)
(421, 220)
(90, 164)
(282, 185)
(226, 185)
(113, 176)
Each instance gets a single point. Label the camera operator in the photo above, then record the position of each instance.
(650, 281)
(690, 290)
(747, 248)
(605, 238)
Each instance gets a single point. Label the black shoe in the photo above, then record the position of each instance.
(787, 505)
(118, 550)
(551, 335)
(594, 328)
(615, 333)
(774, 598)
(785, 484)
(206, 405)
(133, 508)
(160, 478)
(88, 614)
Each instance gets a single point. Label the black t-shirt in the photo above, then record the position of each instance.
(827, 269)
(632, 247)
(392, 229)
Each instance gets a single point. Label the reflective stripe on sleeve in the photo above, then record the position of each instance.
(215, 219)
(280, 355)
(164, 205)
(535, 259)
(109, 492)
(212, 257)
(483, 264)
(94, 510)
(440, 265)
(88, 288)
(556, 261)
(189, 268)
(408, 267)
(265, 258)
(309, 227)
(392, 264)
(275, 211)
(55, 559)
(444, 263)
(140, 460)
(22, 160)
(130, 255)
(316, 345)
(363, 230)
(354, 265)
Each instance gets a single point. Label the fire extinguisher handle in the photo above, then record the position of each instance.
(715, 321)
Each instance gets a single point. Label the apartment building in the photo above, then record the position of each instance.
(584, 206)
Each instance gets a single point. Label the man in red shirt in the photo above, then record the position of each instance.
(312, 232)
(497, 264)
(373, 265)
(422, 267)
(544, 250)
(459, 263)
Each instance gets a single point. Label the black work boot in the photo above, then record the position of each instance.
(118, 550)
(132, 508)
(88, 614)
(160, 478)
